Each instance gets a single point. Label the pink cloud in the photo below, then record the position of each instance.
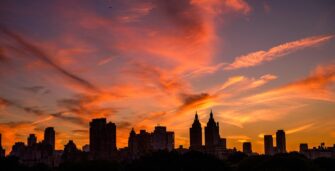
(259, 57)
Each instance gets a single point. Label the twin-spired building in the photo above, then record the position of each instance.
(212, 134)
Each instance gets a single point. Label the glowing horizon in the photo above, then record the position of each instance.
(261, 66)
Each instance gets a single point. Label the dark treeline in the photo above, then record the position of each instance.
(190, 161)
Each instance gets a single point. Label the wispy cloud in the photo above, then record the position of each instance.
(299, 129)
(315, 86)
(237, 84)
(259, 57)
(238, 5)
(40, 54)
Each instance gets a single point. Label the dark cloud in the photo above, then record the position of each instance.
(181, 13)
(189, 100)
(15, 124)
(81, 131)
(40, 54)
(73, 119)
(3, 58)
(85, 105)
(123, 124)
(32, 110)
(4, 102)
(37, 89)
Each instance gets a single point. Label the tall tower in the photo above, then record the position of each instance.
(49, 137)
(212, 136)
(31, 140)
(102, 138)
(268, 145)
(196, 134)
(281, 141)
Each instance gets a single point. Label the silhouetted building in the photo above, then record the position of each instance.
(71, 152)
(132, 143)
(102, 139)
(139, 144)
(212, 136)
(70, 147)
(34, 154)
(317, 152)
(196, 134)
(162, 139)
(31, 140)
(223, 143)
(170, 141)
(49, 137)
(268, 145)
(18, 149)
(144, 142)
(303, 147)
(86, 148)
(281, 141)
(2, 150)
(247, 148)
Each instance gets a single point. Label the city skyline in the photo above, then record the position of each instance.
(103, 141)
(262, 66)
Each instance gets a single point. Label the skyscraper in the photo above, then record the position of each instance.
(212, 136)
(268, 145)
(31, 140)
(247, 148)
(281, 141)
(49, 137)
(102, 139)
(195, 134)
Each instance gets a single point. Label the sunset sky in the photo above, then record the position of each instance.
(261, 65)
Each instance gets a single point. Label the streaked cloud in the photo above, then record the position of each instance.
(315, 86)
(259, 57)
(29, 48)
(299, 129)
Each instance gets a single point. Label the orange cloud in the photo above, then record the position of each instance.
(299, 129)
(315, 86)
(259, 57)
(238, 5)
(236, 84)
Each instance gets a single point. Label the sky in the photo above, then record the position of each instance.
(260, 65)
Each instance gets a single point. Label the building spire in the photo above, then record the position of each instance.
(196, 115)
(211, 114)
